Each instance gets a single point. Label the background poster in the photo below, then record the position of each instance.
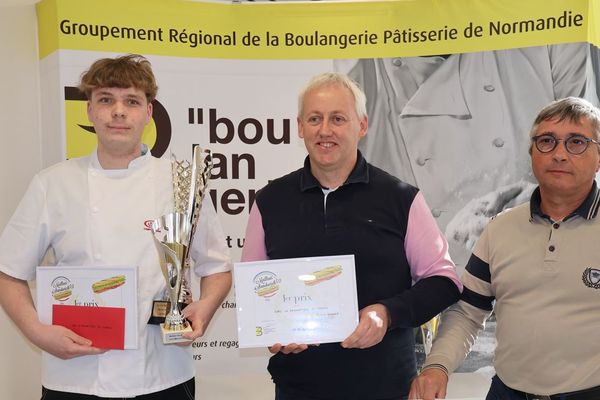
(451, 98)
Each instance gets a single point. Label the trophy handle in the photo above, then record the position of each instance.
(185, 294)
(172, 271)
(200, 170)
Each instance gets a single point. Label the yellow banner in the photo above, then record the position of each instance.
(315, 30)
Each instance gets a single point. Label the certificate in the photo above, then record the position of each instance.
(299, 300)
(98, 303)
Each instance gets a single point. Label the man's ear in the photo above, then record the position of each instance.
(300, 128)
(89, 111)
(150, 109)
(364, 126)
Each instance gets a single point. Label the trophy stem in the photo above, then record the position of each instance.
(174, 321)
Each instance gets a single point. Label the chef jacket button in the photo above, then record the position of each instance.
(436, 212)
(421, 161)
(397, 62)
(498, 142)
(489, 88)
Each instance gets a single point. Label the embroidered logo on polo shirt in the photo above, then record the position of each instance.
(591, 278)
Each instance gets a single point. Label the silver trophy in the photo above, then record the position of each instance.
(173, 233)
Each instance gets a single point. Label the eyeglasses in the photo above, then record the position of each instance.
(575, 144)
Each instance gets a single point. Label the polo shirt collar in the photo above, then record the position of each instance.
(360, 174)
(587, 210)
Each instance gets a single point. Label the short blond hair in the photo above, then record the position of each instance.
(335, 78)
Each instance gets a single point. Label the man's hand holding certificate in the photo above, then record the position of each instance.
(304, 300)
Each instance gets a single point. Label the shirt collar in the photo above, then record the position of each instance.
(360, 174)
(587, 210)
(136, 163)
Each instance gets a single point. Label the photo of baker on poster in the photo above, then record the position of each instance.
(456, 126)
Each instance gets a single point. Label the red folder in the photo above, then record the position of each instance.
(104, 326)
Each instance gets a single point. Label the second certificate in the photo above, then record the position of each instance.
(301, 300)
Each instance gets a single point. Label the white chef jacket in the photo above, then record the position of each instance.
(459, 128)
(94, 217)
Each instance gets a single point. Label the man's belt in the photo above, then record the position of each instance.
(585, 394)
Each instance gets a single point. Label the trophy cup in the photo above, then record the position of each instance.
(173, 234)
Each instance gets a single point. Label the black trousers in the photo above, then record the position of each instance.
(183, 391)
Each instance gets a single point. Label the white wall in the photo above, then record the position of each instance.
(20, 158)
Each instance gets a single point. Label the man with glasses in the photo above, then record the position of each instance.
(540, 264)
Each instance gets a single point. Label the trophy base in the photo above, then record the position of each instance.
(160, 309)
(170, 336)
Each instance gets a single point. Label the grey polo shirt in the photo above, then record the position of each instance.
(545, 279)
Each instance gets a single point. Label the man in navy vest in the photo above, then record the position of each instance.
(336, 204)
